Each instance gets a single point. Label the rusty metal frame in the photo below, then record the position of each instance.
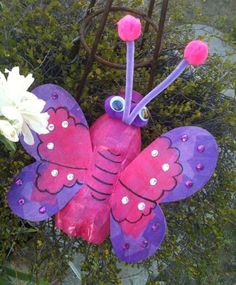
(83, 30)
(92, 51)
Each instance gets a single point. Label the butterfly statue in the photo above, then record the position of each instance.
(96, 180)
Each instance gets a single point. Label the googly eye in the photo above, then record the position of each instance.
(142, 118)
(144, 114)
(117, 104)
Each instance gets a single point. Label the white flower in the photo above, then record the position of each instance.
(21, 107)
(8, 131)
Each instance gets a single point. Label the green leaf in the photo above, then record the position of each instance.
(10, 146)
(16, 274)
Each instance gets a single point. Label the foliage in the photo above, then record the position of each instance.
(42, 38)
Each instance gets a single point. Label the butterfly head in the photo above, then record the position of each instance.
(131, 107)
(115, 106)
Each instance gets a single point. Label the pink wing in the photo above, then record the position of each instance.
(62, 156)
(173, 167)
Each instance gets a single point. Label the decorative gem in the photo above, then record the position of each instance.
(54, 172)
(18, 182)
(42, 210)
(70, 176)
(126, 246)
(153, 181)
(50, 145)
(54, 96)
(155, 152)
(65, 124)
(201, 148)
(144, 243)
(165, 167)
(155, 227)
(21, 201)
(141, 206)
(189, 183)
(199, 167)
(184, 138)
(51, 127)
(125, 200)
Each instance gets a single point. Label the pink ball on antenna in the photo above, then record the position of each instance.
(196, 52)
(129, 28)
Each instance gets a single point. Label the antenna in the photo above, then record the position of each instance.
(195, 54)
(129, 29)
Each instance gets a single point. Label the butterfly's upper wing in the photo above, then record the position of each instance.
(62, 157)
(173, 167)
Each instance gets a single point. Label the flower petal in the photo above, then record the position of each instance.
(17, 84)
(28, 137)
(8, 131)
(32, 105)
(37, 122)
(11, 113)
(14, 77)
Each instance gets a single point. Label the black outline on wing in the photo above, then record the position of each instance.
(56, 163)
(163, 191)
(45, 190)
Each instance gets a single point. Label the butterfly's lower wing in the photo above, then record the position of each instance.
(147, 236)
(173, 167)
(62, 157)
(30, 201)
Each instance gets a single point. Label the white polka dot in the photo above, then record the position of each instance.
(125, 200)
(141, 206)
(153, 181)
(165, 167)
(50, 127)
(50, 145)
(65, 124)
(155, 152)
(54, 172)
(70, 176)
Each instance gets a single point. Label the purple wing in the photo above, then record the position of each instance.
(171, 168)
(198, 157)
(29, 203)
(55, 97)
(62, 157)
(143, 242)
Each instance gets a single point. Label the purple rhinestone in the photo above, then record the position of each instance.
(188, 183)
(21, 202)
(199, 167)
(201, 148)
(155, 227)
(126, 246)
(19, 182)
(54, 96)
(42, 210)
(144, 243)
(184, 138)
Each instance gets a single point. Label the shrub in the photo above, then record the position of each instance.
(39, 36)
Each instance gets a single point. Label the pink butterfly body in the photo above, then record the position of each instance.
(87, 215)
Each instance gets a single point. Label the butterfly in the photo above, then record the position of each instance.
(98, 182)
